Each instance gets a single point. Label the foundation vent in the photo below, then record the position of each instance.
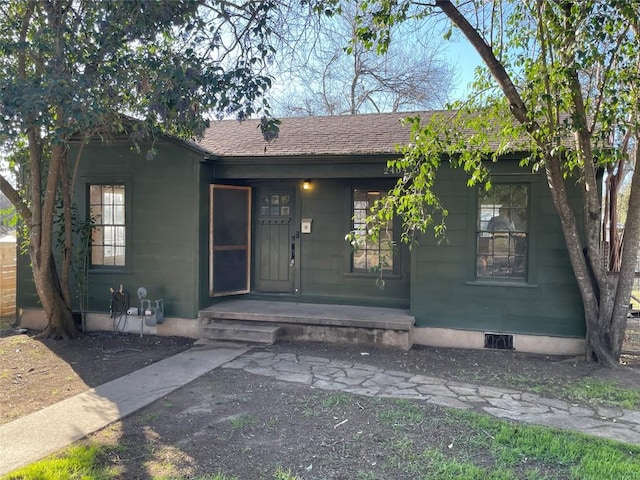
(498, 341)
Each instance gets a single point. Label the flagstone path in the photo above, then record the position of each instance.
(362, 379)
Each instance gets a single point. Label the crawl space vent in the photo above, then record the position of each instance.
(497, 341)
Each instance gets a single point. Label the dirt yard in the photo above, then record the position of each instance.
(232, 421)
(36, 373)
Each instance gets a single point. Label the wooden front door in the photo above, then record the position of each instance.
(275, 240)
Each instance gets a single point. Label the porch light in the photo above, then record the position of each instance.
(306, 184)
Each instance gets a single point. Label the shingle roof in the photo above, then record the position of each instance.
(331, 135)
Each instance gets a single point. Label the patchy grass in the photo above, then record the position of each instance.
(336, 400)
(587, 458)
(323, 404)
(282, 474)
(84, 463)
(148, 418)
(403, 415)
(78, 462)
(243, 421)
(412, 441)
(601, 392)
(232, 425)
(591, 391)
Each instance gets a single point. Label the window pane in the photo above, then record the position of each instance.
(373, 260)
(519, 196)
(502, 229)
(118, 238)
(118, 215)
(108, 234)
(360, 260)
(386, 259)
(119, 256)
(95, 213)
(370, 255)
(108, 255)
(96, 236)
(97, 255)
(95, 195)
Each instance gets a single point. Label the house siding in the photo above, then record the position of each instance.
(163, 245)
(168, 216)
(163, 238)
(325, 253)
(205, 174)
(446, 294)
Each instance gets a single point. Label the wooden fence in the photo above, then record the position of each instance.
(7, 279)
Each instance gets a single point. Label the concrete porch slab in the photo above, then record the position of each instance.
(341, 324)
(311, 314)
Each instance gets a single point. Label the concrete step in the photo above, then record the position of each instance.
(310, 314)
(266, 334)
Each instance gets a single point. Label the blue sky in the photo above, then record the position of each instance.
(465, 59)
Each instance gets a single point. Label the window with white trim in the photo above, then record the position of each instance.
(108, 228)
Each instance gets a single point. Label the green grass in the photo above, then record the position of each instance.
(148, 418)
(591, 391)
(335, 400)
(272, 422)
(588, 457)
(442, 468)
(282, 474)
(510, 445)
(84, 463)
(600, 392)
(318, 404)
(243, 421)
(79, 462)
(404, 414)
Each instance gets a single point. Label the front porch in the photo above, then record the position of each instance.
(269, 321)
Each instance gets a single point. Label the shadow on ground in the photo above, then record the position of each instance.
(37, 373)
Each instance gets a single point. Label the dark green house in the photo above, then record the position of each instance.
(235, 224)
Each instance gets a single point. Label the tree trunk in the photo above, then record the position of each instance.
(59, 316)
(631, 244)
(590, 291)
(67, 247)
(628, 263)
(41, 240)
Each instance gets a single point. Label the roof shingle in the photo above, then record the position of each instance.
(330, 135)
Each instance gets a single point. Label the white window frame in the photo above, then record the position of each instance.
(107, 214)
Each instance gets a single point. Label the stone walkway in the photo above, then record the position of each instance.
(362, 379)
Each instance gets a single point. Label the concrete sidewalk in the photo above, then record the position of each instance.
(35, 436)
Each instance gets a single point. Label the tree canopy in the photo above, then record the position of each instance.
(320, 70)
(80, 69)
